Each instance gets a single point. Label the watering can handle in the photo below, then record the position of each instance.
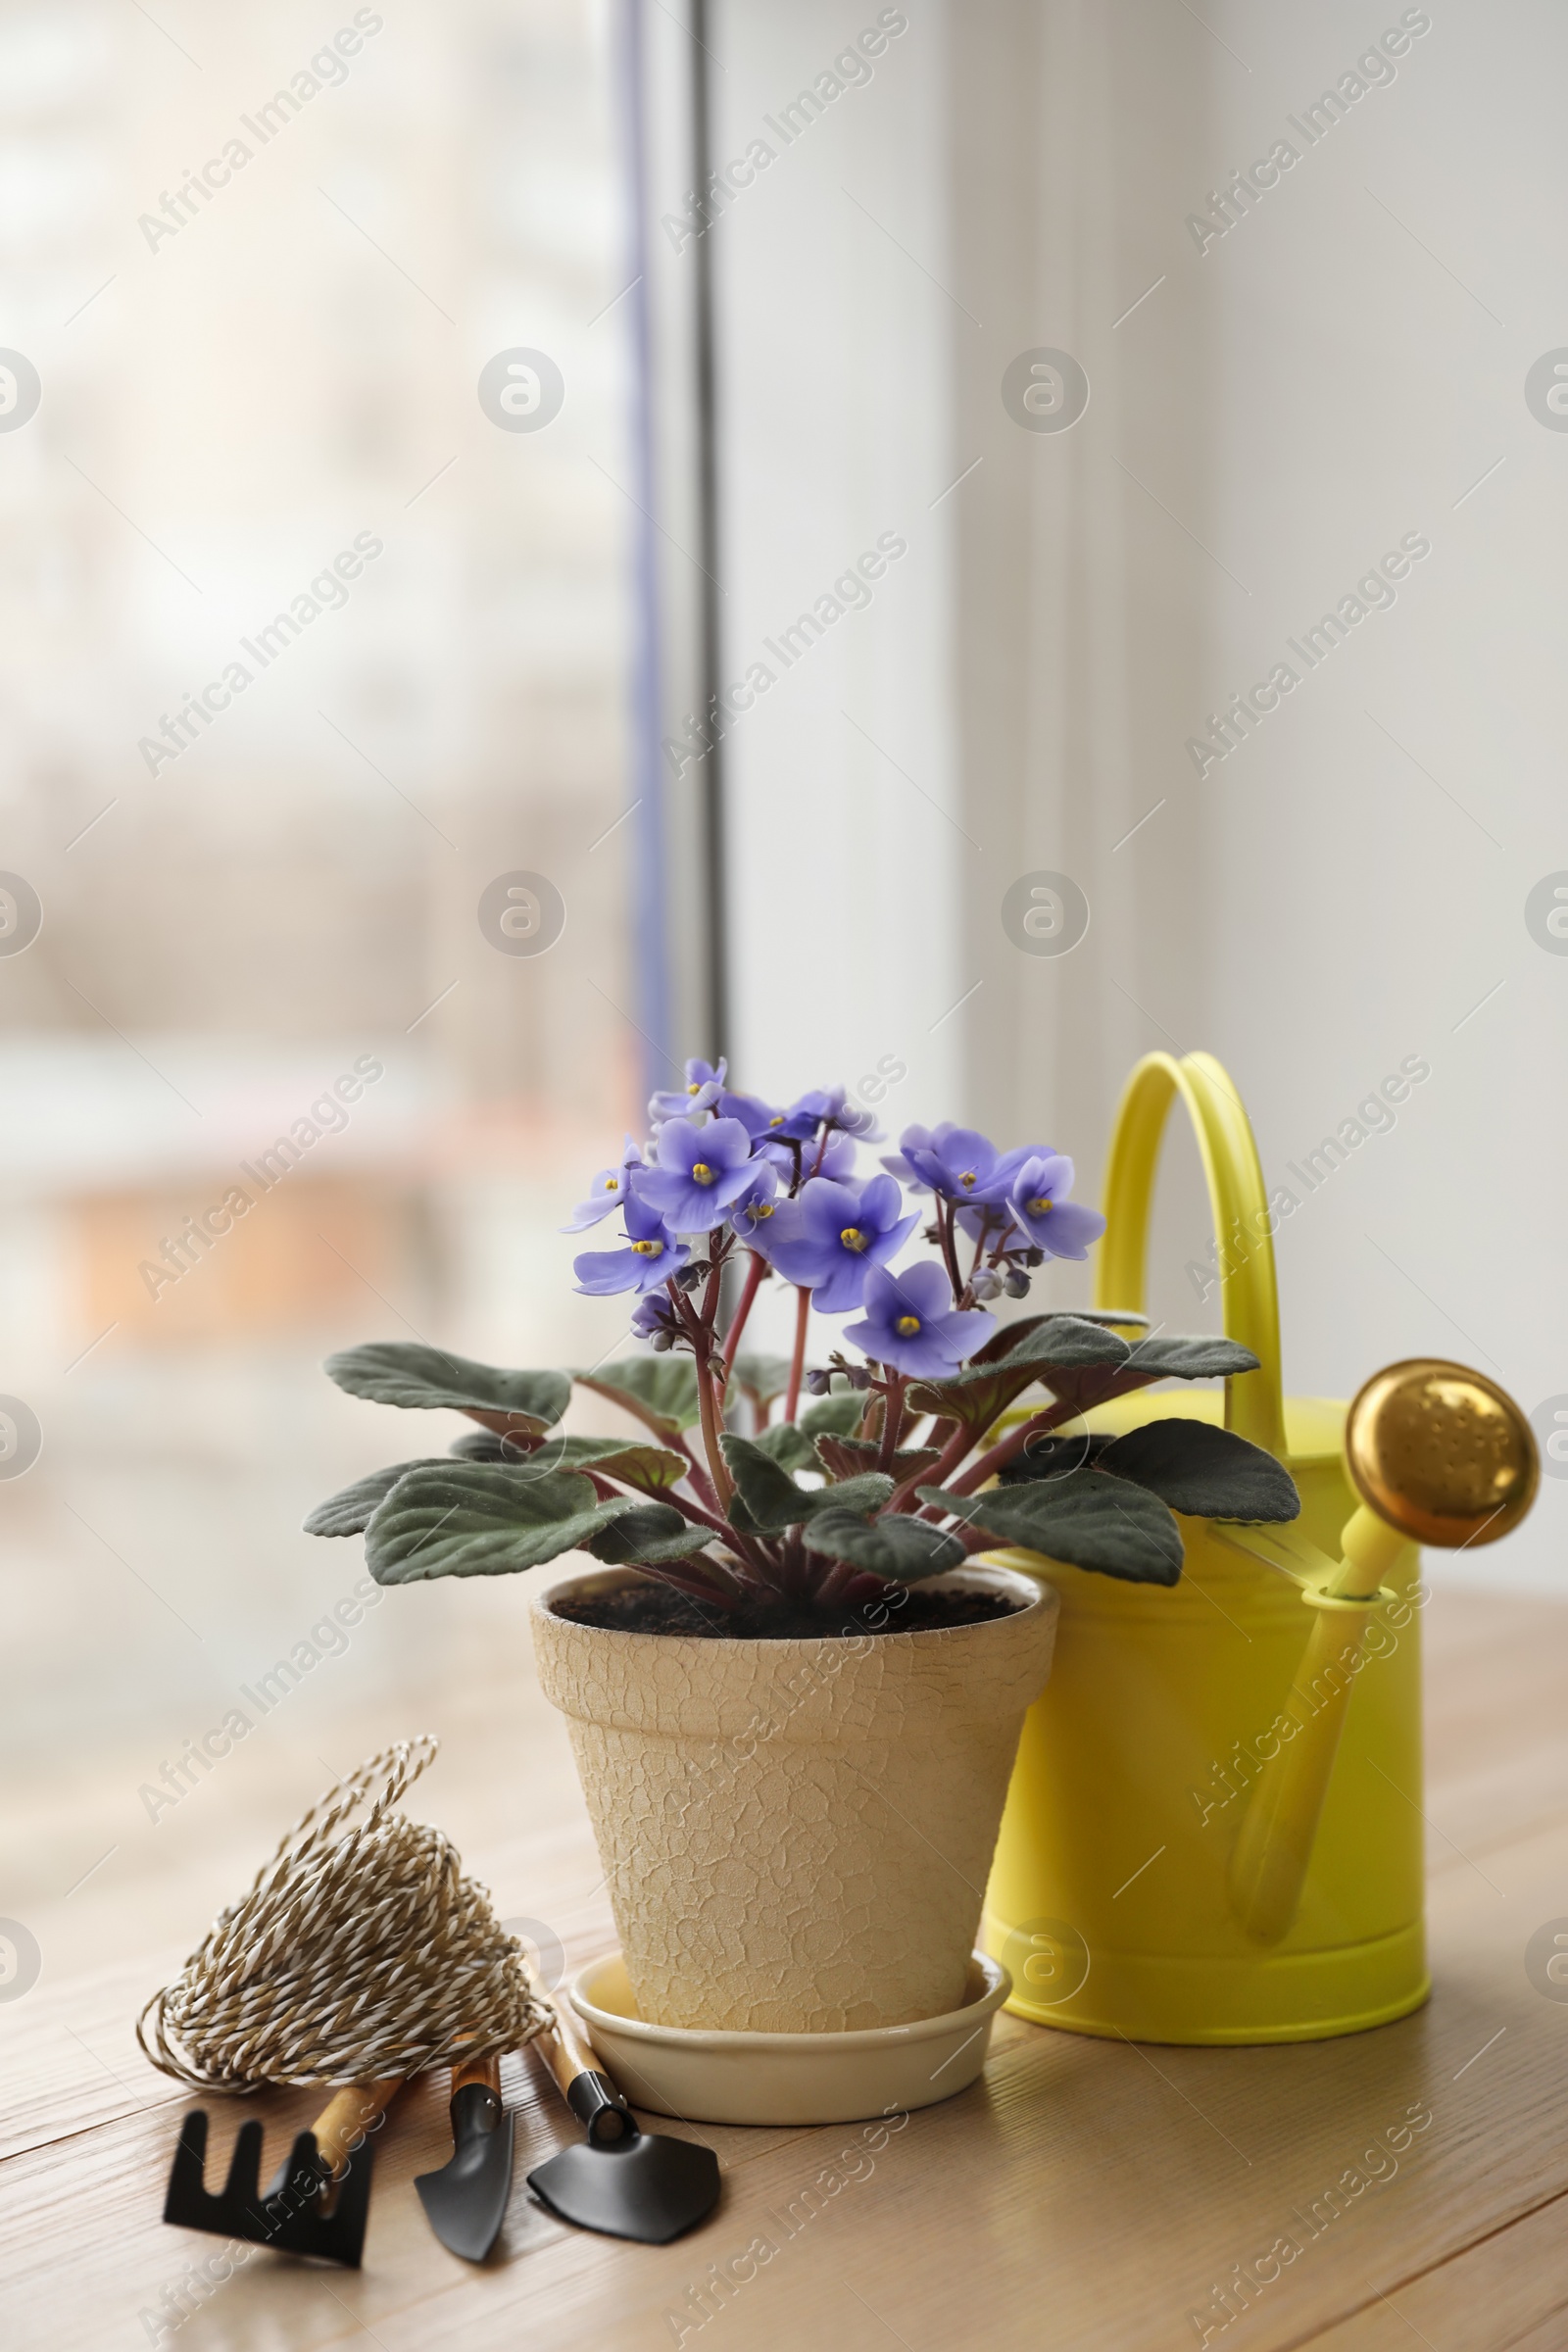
(1242, 1228)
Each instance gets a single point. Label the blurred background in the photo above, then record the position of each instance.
(976, 401)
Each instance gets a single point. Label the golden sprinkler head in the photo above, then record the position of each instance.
(1441, 1453)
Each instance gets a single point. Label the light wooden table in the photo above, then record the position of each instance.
(1082, 2194)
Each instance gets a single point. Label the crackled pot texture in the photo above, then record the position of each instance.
(795, 1833)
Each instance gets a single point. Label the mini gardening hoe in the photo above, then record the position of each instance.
(622, 2180)
(1439, 1455)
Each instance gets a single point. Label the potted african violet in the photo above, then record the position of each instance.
(793, 1685)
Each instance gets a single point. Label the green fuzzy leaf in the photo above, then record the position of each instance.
(1170, 1356)
(1006, 1337)
(1002, 1340)
(645, 1536)
(483, 1519)
(1165, 1357)
(1064, 1340)
(899, 1548)
(424, 1379)
(484, 1446)
(650, 1468)
(863, 1493)
(766, 1494)
(1206, 1472)
(788, 1444)
(838, 1416)
(843, 1457)
(349, 1513)
(1086, 1518)
(985, 1388)
(660, 1390)
(762, 1377)
(768, 1499)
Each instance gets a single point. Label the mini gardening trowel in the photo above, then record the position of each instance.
(465, 2201)
(622, 2180)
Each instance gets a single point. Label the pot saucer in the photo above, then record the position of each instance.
(719, 2078)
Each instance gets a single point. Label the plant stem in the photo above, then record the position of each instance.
(708, 1406)
(841, 1574)
(754, 1276)
(609, 1491)
(1008, 1448)
(747, 1549)
(850, 1586)
(702, 1488)
(803, 1314)
(939, 1472)
(949, 1252)
(891, 1420)
(724, 1596)
(697, 1512)
(715, 1278)
(798, 1577)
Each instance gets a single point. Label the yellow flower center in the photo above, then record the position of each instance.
(1037, 1208)
(649, 1249)
(906, 1326)
(853, 1238)
(611, 1184)
(701, 1173)
(762, 1209)
(968, 1178)
(777, 1121)
(694, 1090)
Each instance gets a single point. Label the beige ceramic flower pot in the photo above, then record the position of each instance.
(795, 1835)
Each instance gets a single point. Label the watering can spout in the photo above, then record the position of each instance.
(1439, 1455)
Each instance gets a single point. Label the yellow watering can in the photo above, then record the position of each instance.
(1214, 1829)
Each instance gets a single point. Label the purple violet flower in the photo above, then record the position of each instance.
(752, 1211)
(1039, 1200)
(985, 1220)
(654, 1313)
(897, 1163)
(834, 1159)
(828, 1240)
(608, 1190)
(854, 1119)
(654, 1254)
(700, 1171)
(804, 1116)
(758, 1118)
(958, 1162)
(705, 1083)
(837, 1162)
(911, 1322)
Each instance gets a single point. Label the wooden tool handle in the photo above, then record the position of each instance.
(486, 2070)
(584, 2084)
(342, 2124)
(566, 2051)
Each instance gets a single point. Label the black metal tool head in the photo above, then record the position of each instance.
(290, 2216)
(643, 2186)
(465, 2201)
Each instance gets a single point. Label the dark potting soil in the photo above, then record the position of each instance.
(656, 1609)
